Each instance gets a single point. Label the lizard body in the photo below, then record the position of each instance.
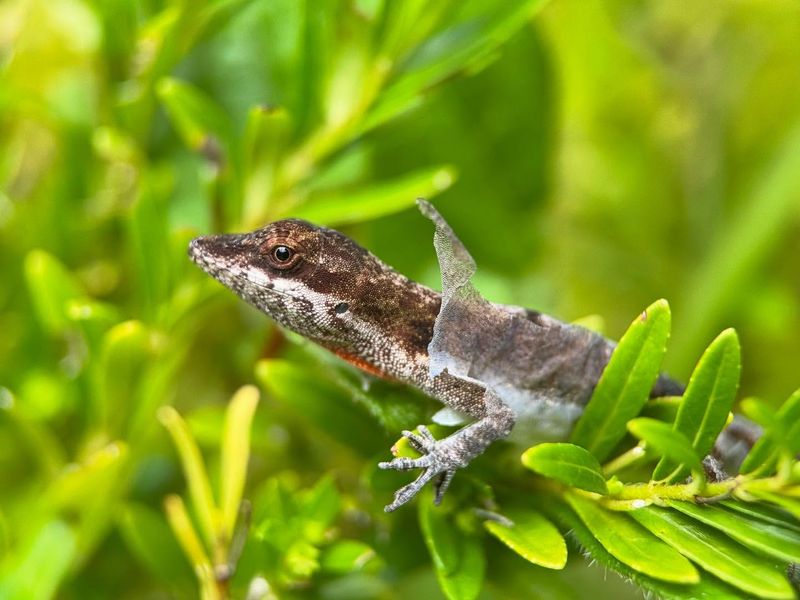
(503, 367)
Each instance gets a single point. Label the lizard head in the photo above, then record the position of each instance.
(312, 280)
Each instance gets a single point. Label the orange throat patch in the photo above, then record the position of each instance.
(361, 364)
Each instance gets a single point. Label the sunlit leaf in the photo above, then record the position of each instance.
(195, 472)
(41, 564)
(630, 543)
(770, 539)
(235, 453)
(339, 208)
(531, 536)
(667, 441)
(52, 288)
(625, 383)
(716, 552)
(567, 463)
(707, 401)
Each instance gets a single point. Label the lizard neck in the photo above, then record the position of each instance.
(395, 325)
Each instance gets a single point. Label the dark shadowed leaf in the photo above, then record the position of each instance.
(626, 382)
(763, 456)
(567, 463)
(457, 556)
(322, 403)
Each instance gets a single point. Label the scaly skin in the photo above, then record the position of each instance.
(499, 365)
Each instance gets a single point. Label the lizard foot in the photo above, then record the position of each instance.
(438, 460)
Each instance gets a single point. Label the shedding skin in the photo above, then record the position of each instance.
(508, 370)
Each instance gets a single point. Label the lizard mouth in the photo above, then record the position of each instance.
(221, 256)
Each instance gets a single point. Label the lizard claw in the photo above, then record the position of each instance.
(437, 461)
(423, 442)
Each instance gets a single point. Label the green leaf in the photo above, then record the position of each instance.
(707, 401)
(716, 553)
(365, 203)
(266, 136)
(235, 454)
(322, 403)
(625, 384)
(346, 556)
(668, 442)
(567, 463)
(195, 472)
(632, 544)
(148, 538)
(199, 121)
(126, 351)
(708, 588)
(531, 536)
(463, 46)
(769, 539)
(762, 512)
(41, 564)
(52, 288)
(764, 455)
(457, 557)
(791, 505)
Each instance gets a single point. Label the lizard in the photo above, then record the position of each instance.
(511, 371)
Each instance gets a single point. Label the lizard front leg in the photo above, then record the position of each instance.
(441, 458)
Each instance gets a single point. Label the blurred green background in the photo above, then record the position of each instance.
(593, 156)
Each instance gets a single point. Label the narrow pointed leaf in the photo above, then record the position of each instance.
(236, 453)
(625, 384)
(194, 471)
(531, 536)
(708, 399)
(51, 287)
(790, 505)
(341, 208)
(716, 553)
(763, 512)
(632, 544)
(667, 442)
(707, 588)
(40, 565)
(567, 463)
(763, 456)
(773, 540)
(195, 116)
(466, 44)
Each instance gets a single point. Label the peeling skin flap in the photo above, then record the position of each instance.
(449, 417)
(462, 337)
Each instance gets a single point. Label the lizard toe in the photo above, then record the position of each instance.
(405, 464)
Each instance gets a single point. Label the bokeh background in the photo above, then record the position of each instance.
(593, 156)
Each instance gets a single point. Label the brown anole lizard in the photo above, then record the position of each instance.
(508, 369)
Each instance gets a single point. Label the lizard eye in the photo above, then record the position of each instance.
(282, 256)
